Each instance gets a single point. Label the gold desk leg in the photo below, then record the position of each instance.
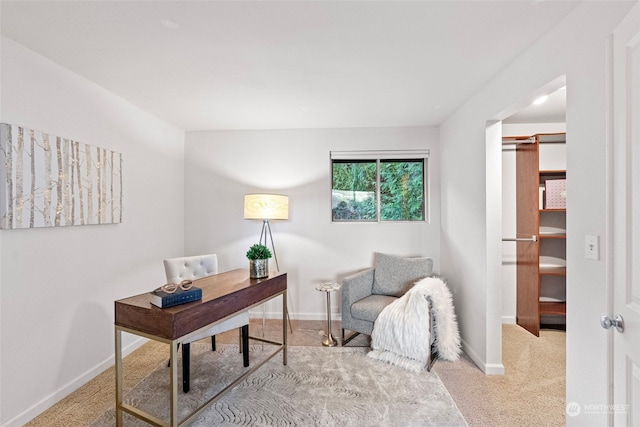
(118, 355)
(174, 383)
(284, 327)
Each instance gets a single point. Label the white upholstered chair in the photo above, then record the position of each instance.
(196, 267)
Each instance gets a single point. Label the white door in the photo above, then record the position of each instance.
(625, 410)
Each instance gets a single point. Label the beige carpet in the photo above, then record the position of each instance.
(531, 393)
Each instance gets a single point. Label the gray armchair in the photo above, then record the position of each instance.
(366, 293)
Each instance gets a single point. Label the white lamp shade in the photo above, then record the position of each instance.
(266, 206)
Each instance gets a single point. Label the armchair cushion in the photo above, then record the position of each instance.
(395, 275)
(369, 307)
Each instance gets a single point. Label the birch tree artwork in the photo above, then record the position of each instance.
(50, 181)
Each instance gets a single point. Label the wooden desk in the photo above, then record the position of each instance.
(223, 295)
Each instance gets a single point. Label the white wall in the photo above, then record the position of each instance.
(58, 285)
(493, 234)
(509, 209)
(576, 47)
(220, 167)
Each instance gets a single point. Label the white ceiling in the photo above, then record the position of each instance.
(553, 110)
(205, 65)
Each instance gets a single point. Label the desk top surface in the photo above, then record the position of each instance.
(222, 295)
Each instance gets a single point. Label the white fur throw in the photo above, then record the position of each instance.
(401, 332)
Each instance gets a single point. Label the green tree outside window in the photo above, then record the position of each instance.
(355, 190)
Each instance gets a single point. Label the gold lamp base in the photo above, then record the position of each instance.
(329, 341)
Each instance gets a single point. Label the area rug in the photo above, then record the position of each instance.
(319, 386)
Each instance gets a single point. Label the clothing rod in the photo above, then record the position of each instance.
(520, 239)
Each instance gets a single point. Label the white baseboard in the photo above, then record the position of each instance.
(494, 369)
(508, 320)
(50, 400)
(472, 354)
(487, 368)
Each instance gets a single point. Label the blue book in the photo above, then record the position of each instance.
(162, 299)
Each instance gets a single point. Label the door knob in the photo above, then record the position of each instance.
(617, 323)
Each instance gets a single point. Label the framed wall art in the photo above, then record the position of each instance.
(51, 181)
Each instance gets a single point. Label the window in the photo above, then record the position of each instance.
(370, 186)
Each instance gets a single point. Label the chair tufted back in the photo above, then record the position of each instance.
(190, 268)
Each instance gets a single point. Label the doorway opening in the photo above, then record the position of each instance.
(518, 120)
(534, 215)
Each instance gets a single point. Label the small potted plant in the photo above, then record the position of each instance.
(258, 256)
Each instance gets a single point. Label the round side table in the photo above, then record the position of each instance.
(328, 287)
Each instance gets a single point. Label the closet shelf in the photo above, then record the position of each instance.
(553, 271)
(552, 229)
(551, 299)
(553, 236)
(546, 261)
(558, 308)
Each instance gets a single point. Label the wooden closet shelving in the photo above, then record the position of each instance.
(541, 262)
(553, 308)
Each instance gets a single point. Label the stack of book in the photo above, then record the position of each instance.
(162, 299)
